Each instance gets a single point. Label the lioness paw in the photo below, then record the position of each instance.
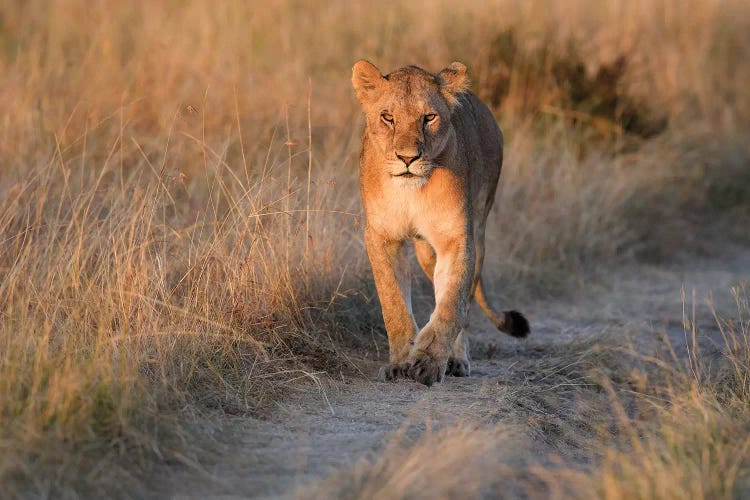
(426, 370)
(459, 367)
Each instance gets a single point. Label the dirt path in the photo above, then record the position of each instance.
(319, 430)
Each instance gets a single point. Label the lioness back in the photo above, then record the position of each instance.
(481, 138)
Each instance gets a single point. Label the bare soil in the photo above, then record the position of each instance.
(323, 427)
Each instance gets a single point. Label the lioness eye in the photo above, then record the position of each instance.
(430, 117)
(387, 117)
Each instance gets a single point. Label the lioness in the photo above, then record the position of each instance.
(429, 165)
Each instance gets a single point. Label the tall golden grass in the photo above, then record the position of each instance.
(178, 209)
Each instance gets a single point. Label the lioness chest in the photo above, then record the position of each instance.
(434, 211)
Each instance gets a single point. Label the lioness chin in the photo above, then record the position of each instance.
(430, 161)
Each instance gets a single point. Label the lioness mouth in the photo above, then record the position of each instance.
(406, 175)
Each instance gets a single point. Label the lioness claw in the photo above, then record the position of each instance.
(391, 372)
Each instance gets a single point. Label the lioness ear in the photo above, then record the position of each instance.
(366, 80)
(453, 81)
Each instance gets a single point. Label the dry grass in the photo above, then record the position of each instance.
(117, 309)
(178, 209)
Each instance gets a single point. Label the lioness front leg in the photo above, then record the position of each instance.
(452, 279)
(390, 269)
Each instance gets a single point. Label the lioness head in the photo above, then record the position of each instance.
(409, 116)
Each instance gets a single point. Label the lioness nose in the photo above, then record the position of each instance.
(408, 159)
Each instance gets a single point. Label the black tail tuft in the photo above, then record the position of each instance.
(516, 324)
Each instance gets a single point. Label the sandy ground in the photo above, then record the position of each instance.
(319, 429)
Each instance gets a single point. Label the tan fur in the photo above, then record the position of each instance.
(432, 127)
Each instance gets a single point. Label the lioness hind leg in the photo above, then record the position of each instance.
(425, 256)
(459, 363)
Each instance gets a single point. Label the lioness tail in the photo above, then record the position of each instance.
(511, 322)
